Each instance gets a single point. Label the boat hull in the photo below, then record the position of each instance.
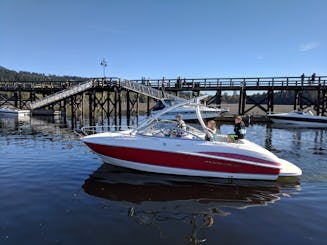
(184, 172)
(308, 121)
(176, 163)
(14, 112)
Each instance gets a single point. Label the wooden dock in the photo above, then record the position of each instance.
(104, 97)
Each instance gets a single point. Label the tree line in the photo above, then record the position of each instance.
(280, 97)
(25, 76)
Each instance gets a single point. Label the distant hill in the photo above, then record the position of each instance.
(3, 68)
(25, 76)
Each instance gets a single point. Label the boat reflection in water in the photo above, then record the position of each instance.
(153, 198)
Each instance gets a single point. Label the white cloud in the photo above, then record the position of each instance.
(308, 46)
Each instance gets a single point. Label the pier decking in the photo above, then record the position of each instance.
(105, 94)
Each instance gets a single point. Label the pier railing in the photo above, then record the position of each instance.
(183, 83)
(235, 83)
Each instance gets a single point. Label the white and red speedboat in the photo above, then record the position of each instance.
(159, 146)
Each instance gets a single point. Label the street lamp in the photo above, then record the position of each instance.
(104, 64)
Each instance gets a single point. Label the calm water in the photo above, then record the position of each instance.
(54, 190)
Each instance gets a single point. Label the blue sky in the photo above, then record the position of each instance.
(155, 38)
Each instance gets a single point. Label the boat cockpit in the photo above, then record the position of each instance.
(169, 129)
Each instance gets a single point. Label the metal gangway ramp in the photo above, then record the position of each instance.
(61, 95)
(92, 83)
(148, 90)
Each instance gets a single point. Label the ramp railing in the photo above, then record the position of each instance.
(84, 86)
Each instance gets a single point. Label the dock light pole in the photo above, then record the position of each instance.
(104, 65)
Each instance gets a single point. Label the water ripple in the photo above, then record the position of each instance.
(54, 190)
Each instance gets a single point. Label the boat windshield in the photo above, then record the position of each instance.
(170, 102)
(163, 104)
(155, 126)
(169, 129)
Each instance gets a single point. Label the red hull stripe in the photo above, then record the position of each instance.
(179, 160)
(241, 157)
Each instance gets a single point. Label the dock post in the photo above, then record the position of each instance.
(242, 101)
(108, 107)
(301, 99)
(148, 106)
(119, 109)
(218, 97)
(20, 97)
(324, 102)
(94, 106)
(115, 106)
(82, 109)
(32, 96)
(16, 99)
(72, 116)
(103, 101)
(91, 108)
(270, 101)
(65, 113)
(128, 110)
(64, 107)
(137, 108)
(318, 104)
(296, 99)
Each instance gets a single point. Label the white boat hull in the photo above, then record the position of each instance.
(185, 172)
(300, 123)
(301, 119)
(205, 159)
(6, 111)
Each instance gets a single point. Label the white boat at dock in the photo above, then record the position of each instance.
(14, 112)
(188, 113)
(300, 118)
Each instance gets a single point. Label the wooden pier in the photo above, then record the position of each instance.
(105, 97)
(246, 86)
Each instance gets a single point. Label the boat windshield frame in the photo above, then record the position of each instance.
(195, 103)
(168, 128)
